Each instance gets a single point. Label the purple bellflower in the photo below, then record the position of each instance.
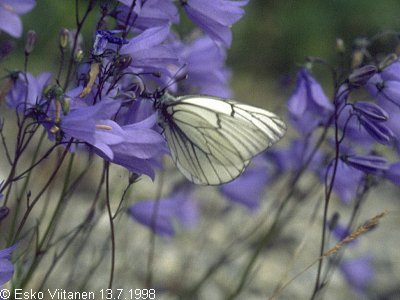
(215, 17)
(248, 188)
(385, 86)
(347, 181)
(149, 55)
(6, 267)
(9, 15)
(91, 124)
(308, 106)
(147, 14)
(163, 215)
(293, 157)
(205, 68)
(27, 92)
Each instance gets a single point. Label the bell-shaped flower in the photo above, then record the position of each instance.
(92, 125)
(385, 86)
(9, 15)
(148, 53)
(27, 91)
(358, 273)
(215, 17)
(248, 188)
(6, 266)
(164, 215)
(204, 67)
(147, 13)
(308, 106)
(346, 182)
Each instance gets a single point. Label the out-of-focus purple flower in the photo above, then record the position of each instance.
(147, 14)
(308, 106)
(103, 38)
(6, 267)
(346, 183)
(161, 216)
(205, 68)
(9, 15)
(248, 188)
(6, 48)
(358, 272)
(149, 55)
(27, 92)
(393, 173)
(385, 86)
(215, 17)
(339, 231)
(371, 164)
(295, 156)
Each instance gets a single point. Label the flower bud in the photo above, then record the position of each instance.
(360, 76)
(340, 47)
(367, 163)
(377, 130)
(30, 42)
(371, 111)
(79, 56)
(64, 38)
(65, 105)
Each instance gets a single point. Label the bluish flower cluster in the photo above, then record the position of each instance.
(103, 104)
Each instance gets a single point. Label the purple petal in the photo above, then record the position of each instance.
(146, 40)
(358, 272)
(161, 216)
(248, 188)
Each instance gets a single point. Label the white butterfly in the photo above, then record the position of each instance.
(212, 139)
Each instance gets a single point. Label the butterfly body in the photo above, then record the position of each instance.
(211, 139)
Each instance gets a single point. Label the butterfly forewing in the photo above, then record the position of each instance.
(212, 140)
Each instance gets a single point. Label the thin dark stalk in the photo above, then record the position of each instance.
(112, 229)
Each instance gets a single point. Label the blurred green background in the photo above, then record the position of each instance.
(269, 43)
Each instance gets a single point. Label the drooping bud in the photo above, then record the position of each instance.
(64, 38)
(30, 42)
(378, 130)
(367, 163)
(360, 76)
(340, 47)
(65, 105)
(371, 111)
(79, 56)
